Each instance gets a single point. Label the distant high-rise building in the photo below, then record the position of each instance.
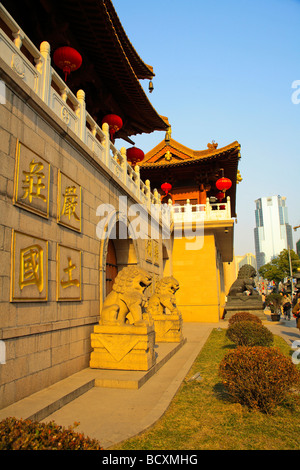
(298, 247)
(248, 258)
(272, 233)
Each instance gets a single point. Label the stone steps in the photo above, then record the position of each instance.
(45, 402)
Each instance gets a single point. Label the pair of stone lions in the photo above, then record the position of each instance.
(127, 303)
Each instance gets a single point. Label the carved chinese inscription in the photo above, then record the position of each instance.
(148, 250)
(69, 202)
(31, 183)
(155, 252)
(29, 268)
(68, 273)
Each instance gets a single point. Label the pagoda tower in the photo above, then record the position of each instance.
(203, 264)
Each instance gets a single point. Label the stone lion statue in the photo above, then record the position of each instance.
(126, 302)
(244, 284)
(164, 297)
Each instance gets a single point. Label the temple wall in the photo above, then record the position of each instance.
(51, 261)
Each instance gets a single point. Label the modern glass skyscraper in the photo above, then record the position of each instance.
(272, 233)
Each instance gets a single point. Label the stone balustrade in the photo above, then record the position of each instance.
(34, 67)
(202, 212)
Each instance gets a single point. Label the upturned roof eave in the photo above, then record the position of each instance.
(109, 59)
(190, 156)
(120, 73)
(141, 69)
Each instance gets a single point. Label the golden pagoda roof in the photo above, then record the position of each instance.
(171, 153)
(174, 162)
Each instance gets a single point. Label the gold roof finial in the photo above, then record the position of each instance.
(212, 146)
(168, 134)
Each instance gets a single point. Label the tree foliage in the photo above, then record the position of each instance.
(279, 267)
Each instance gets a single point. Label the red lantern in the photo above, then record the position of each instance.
(223, 184)
(67, 59)
(166, 187)
(220, 196)
(134, 155)
(115, 124)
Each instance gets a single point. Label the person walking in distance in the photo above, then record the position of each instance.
(286, 307)
(296, 313)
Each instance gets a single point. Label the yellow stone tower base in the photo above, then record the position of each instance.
(125, 347)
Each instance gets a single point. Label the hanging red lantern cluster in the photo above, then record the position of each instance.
(220, 196)
(166, 187)
(114, 122)
(67, 59)
(134, 155)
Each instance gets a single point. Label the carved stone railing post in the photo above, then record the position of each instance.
(18, 38)
(124, 164)
(228, 208)
(138, 179)
(81, 113)
(105, 129)
(147, 183)
(207, 207)
(46, 72)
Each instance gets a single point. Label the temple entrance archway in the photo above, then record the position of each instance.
(167, 267)
(111, 266)
(115, 254)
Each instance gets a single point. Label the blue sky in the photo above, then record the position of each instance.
(224, 71)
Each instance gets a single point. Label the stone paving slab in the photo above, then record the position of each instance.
(45, 402)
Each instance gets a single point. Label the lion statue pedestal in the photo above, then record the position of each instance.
(242, 296)
(168, 328)
(163, 310)
(126, 347)
(125, 336)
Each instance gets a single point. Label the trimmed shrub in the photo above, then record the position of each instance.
(259, 377)
(18, 434)
(248, 333)
(243, 316)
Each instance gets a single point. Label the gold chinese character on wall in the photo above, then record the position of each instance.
(155, 252)
(155, 279)
(148, 250)
(68, 202)
(31, 182)
(29, 268)
(68, 280)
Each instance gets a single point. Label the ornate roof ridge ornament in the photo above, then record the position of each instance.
(212, 146)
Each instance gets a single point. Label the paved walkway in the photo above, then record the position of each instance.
(137, 400)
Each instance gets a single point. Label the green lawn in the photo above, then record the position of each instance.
(202, 417)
